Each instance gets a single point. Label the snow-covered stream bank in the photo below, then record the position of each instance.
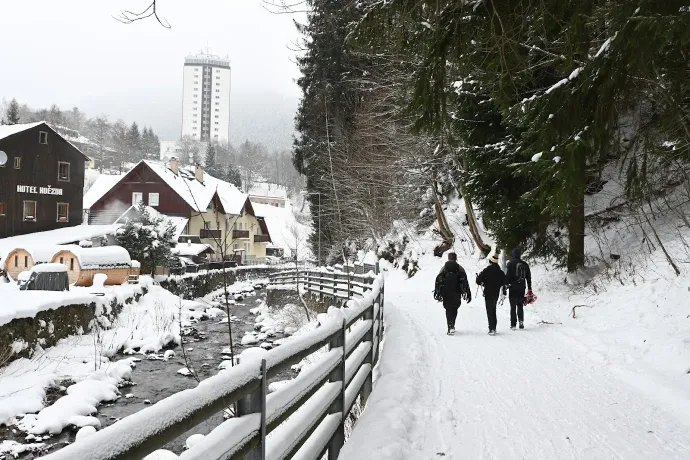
(153, 379)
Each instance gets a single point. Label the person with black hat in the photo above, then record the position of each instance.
(451, 286)
(492, 279)
(518, 277)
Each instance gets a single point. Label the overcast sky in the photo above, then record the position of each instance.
(73, 53)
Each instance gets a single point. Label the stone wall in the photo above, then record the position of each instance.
(19, 337)
(193, 285)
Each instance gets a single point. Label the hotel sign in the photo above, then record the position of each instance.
(39, 190)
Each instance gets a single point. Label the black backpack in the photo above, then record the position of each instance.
(521, 272)
(461, 279)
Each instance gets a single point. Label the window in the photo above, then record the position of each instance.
(63, 171)
(42, 137)
(63, 212)
(153, 199)
(26, 261)
(3, 209)
(246, 248)
(236, 246)
(30, 211)
(137, 197)
(16, 261)
(62, 260)
(71, 263)
(17, 162)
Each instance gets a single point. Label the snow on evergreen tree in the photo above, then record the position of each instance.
(148, 239)
(134, 143)
(12, 114)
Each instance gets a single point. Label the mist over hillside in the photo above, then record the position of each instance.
(257, 115)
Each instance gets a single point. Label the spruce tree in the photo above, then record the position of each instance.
(12, 114)
(134, 143)
(148, 239)
(210, 159)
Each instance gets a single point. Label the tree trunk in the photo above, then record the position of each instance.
(469, 210)
(441, 218)
(576, 226)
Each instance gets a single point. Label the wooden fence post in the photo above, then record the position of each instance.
(338, 406)
(251, 404)
(335, 289)
(369, 337)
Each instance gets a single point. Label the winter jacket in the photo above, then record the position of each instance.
(514, 281)
(454, 285)
(493, 279)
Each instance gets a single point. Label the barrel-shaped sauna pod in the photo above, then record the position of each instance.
(17, 261)
(83, 263)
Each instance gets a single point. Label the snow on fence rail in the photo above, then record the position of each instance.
(303, 419)
(326, 283)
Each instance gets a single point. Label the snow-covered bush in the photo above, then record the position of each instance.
(148, 240)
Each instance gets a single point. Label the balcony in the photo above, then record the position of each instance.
(211, 234)
(240, 234)
(262, 239)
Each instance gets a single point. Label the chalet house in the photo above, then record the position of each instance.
(269, 194)
(217, 212)
(41, 180)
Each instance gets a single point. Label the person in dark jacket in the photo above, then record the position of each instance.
(453, 288)
(492, 279)
(518, 278)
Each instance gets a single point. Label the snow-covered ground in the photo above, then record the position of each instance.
(288, 228)
(142, 327)
(613, 382)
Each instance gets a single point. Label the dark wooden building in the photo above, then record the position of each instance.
(144, 184)
(41, 181)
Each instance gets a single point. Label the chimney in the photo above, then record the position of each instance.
(174, 165)
(199, 173)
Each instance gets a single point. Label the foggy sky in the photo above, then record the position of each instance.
(73, 53)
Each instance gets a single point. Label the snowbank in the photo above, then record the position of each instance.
(143, 327)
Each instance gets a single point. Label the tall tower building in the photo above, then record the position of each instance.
(206, 98)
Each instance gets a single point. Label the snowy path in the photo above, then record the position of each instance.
(520, 395)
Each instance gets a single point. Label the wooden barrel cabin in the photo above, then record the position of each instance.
(83, 263)
(17, 261)
(20, 260)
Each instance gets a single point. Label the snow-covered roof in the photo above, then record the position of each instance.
(51, 268)
(190, 249)
(103, 184)
(267, 189)
(39, 244)
(101, 257)
(9, 130)
(283, 226)
(196, 194)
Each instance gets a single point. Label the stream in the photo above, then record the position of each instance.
(156, 379)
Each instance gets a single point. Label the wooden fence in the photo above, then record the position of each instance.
(326, 284)
(302, 420)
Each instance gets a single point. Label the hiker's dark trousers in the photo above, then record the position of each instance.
(516, 304)
(491, 311)
(451, 315)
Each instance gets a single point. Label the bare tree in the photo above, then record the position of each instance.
(128, 17)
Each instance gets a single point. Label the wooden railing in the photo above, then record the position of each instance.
(240, 234)
(304, 419)
(326, 283)
(262, 239)
(206, 233)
